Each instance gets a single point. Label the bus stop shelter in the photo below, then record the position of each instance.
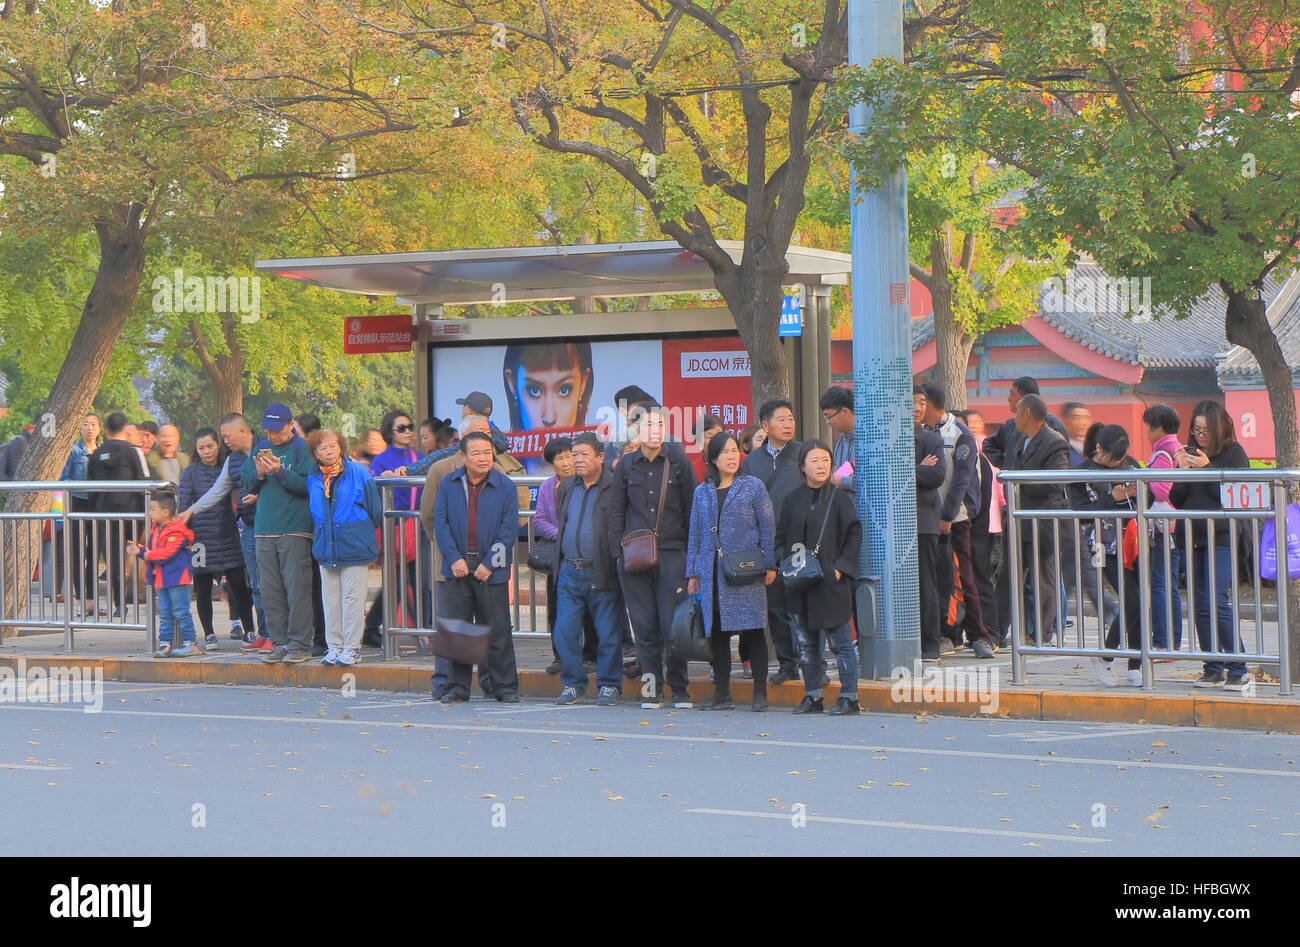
(433, 284)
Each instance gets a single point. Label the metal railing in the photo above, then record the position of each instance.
(79, 539)
(1064, 532)
(410, 587)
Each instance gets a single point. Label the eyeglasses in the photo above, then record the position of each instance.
(403, 428)
(831, 416)
(1200, 431)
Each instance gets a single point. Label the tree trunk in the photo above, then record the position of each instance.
(952, 346)
(753, 293)
(1246, 324)
(224, 369)
(117, 280)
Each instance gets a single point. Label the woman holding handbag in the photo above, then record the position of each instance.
(818, 544)
(730, 557)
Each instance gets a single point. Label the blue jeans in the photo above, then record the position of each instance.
(1228, 640)
(248, 543)
(1160, 621)
(575, 598)
(174, 610)
(812, 657)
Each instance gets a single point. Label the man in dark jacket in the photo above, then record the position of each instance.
(587, 575)
(117, 459)
(930, 470)
(476, 524)
(642, 481)
(776, 463)
(1002, 447)
(1041, 449)
(981, 543)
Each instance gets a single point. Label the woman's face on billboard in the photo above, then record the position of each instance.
(549, 397)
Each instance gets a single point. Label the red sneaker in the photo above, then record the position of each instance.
(258, 646)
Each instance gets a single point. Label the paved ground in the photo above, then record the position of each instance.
(303, 771)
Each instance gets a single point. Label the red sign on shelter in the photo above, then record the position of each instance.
(364, 335)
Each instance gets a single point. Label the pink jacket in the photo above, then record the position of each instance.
(996, 500)
(1162, 456)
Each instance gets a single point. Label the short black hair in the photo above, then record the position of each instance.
(837, 397)
(474, 436)
(165, 500)
(115, 423)
(632, 395)
(918, 389)
(388, 421)
(935, 396)
(1026, 385)
(771, 406)
(1163, 417)
(555, 447)
(307, 423)
(963, 416)
(1035, 405)
(149, 426)
(591, 440)
(638, 411)
(710, 420)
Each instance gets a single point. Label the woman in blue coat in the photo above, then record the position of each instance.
(731, 515)
(345, 511)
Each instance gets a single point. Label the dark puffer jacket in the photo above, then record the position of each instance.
(215, 529)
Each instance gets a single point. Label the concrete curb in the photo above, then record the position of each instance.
(1184, 710)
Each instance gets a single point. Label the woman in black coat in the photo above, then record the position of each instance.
(819, 519)
(1106, 448)
(217, 550)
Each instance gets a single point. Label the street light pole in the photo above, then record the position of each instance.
(882, 375)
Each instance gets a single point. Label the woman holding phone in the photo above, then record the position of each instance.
(1213, 444)
(731, 515)
(820, 520)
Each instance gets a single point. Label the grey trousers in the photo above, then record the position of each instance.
(284, 567)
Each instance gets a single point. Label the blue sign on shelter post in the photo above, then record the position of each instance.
(791, 319)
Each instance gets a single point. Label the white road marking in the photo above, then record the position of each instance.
(546, 708)
(922, 826)
(680, 738)
(27, 766)
(1043, 736)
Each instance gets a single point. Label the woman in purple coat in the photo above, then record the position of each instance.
(731, 514)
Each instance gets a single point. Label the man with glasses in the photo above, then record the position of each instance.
(837, 412)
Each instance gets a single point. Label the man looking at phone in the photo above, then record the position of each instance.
(282, 525)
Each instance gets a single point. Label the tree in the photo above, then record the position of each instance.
(707, 114)
(1161, 141)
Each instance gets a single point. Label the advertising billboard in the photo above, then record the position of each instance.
(548, 388)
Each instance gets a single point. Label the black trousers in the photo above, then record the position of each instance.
(589, 640)
(974, 623)
(471, 600)
(927, 560)
(944, 586)
(317, 605)
(1004, 581)
(241, 598)
(981, 552)
(752, 641)
(652, 597)
(1132, 617)
(116, 540)
(778, 623)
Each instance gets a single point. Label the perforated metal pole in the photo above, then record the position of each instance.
(885, 482)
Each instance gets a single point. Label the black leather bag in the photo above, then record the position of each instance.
(801, 570)
(688, 641)
(460, 641)
(741, 568)
(541, 555)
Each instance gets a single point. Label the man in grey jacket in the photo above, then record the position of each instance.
(776, 463)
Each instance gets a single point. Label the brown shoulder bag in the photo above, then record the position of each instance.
(641, 546)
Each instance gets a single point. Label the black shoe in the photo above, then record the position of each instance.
(508, 698)
(318, 650)
(1209, 679)
(784, 674)
(810, 705)
(372, 639)
(553, 667)
(721, 700)
(845, 707)
(982, 648)
(632, 670)
(760, 697)
(454, 697)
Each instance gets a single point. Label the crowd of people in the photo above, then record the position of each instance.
(758, 528)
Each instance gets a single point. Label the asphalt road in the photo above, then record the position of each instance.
(210, 770)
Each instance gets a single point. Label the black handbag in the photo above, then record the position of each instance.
(741, 568)
(541, 555)
(802, 569)
(688, 641)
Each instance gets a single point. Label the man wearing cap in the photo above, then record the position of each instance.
(283, 527)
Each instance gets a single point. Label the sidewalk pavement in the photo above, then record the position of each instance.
(1059, 688)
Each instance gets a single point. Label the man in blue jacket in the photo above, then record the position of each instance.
(476, 523)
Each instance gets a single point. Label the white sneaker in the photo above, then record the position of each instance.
(349, 657)
(1102, 670)
(331, 656)
(1133, 678)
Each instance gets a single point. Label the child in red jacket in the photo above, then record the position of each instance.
(168, 556)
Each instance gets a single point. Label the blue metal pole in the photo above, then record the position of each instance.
(882, 375)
